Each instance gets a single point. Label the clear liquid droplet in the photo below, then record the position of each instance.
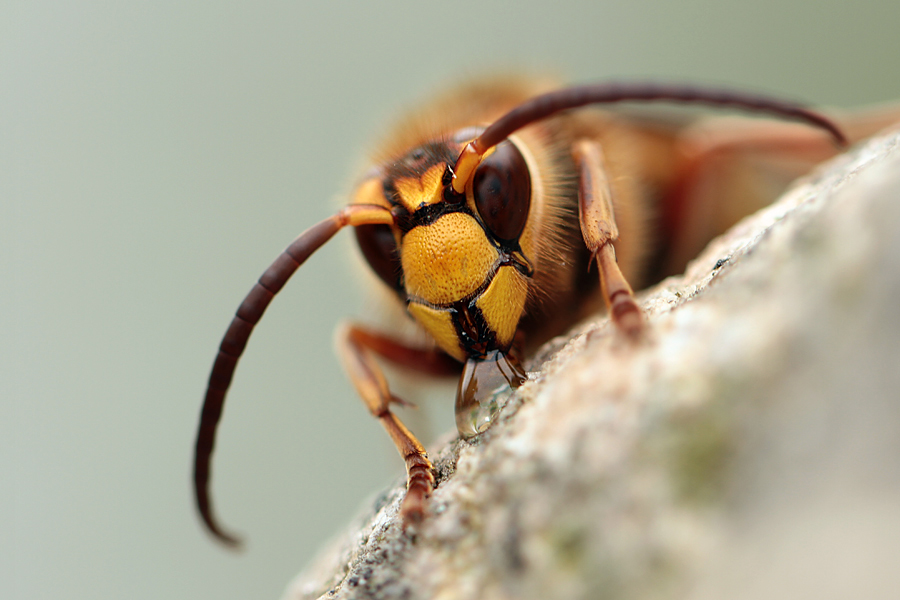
(484, 388)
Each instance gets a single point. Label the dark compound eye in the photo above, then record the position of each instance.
(502, 189)
(380, 249)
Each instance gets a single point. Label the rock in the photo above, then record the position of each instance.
(749, 448)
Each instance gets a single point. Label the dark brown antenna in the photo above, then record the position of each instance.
(248, 315)
(541, 107)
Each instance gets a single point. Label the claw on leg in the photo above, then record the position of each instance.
(623, 308)
(358, 348)
(419, 485)
(599, 229)
(419, 471)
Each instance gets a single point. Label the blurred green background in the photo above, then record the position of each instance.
(156, 156)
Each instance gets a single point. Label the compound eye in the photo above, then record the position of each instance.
(380, 249)
(502, 190)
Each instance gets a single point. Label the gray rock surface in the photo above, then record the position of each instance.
(749, 448)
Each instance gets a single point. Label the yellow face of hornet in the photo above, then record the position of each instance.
(462, 262)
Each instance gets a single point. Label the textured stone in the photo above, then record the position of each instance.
(748, 448)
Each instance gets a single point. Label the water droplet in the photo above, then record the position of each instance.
(485, 386)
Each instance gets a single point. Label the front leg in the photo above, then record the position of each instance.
(357, 348)
(599, 230)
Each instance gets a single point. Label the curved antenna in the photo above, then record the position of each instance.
(545, 105)
(245, 319)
